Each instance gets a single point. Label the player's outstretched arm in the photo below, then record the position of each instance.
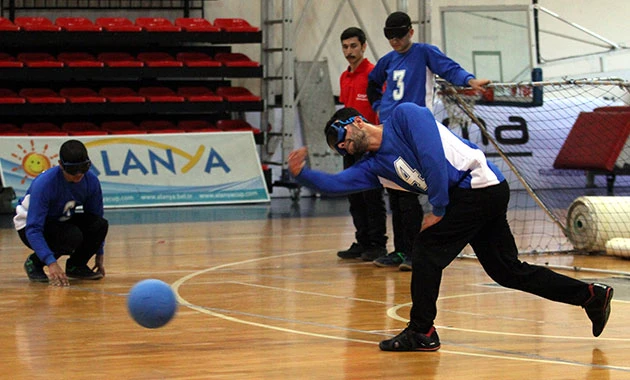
(297, 161)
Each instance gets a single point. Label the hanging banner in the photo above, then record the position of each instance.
(149, 169)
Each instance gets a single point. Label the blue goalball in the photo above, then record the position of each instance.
(151, 303)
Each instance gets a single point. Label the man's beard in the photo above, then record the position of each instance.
(359, 141)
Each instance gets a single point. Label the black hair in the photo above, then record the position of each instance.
(73, 151)
(341, 114)
(353, 32)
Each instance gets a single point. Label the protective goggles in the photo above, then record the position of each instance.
(396, 32)
(337, 133)
(74, 168)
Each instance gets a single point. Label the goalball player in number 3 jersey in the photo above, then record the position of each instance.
(469, 198)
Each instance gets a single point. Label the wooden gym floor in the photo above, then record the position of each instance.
(263, 296)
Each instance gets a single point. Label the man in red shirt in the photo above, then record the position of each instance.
(367, 208)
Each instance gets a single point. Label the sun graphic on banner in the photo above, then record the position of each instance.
(33, 162)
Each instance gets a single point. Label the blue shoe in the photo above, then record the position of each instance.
(392, 259)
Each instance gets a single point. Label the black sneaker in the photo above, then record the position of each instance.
(405, 266)
(34, 272)
(392, 259)
(354, 252)
(411, 340)
(597, 307)
(373, 253)
(82, 272)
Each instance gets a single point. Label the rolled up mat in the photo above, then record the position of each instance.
(592, 221)
(618, 247)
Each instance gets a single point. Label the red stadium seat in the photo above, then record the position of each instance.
(41, 95)
(14, 133)
(237, 94)
(39, 60)
(199, 94)
(80, 126)
(77, 24)
(157, 24)
(6, 127)
(117, 24)
(38, 128)
(7, 26)
(81, 95)
(234, 25)
(159, 59)
(119, 60)
(234, 125)
(79, 60)
(121, 95)
(88, 133)
(37, 24)
(7, 60)
(160, 95)
(10, 97)
(196, 25)
(159, 126)
(196, 126)
(120, 127)
(235, 60)
(191, 59)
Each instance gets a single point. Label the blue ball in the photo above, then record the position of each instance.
(151, 303)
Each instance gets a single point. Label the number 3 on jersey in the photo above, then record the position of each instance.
(398, 76)
(409, 174)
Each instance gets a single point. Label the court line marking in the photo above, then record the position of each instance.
(178, 283)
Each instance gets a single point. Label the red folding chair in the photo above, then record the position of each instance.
(160, 95)
(234, 25)
(198, 94)
(41, 95)
(237, 94)
(119, 60)
(10, 97)
(235, 60)
(159, 59)
(81, 95)
(7, 26)
(36, 24)
(157, 24)
(7, 61)
(117, 24)
(192, 59)
(79, 60)
(77, 24)
(43, 60)
(196, 25)
(121, 95)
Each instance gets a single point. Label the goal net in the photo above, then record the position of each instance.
(561, 145)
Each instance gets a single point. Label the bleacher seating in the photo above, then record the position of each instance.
(8, 96)
(234, 25)
(37, 24)
(117, 24)
(116, 59)
(196, 25)
(41, 127)
(237, 94)
(79, 60)
(81, 95)
(39, 60)
(41, 95)
(7, 26)
(80, 126)
(235, 60)
(7, 60)
(196, 126)
(77, 24)
(194, 59)
(157, 24)
(121, 95)
(159, 59)
(158, 94)
(121, 127)
(198, 94)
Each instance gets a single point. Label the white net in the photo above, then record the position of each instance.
(555, 141)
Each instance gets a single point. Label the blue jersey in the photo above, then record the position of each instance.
(417, 154)
(51, 197)
(409, 76)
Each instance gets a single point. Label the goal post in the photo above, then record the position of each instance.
(553, 151)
